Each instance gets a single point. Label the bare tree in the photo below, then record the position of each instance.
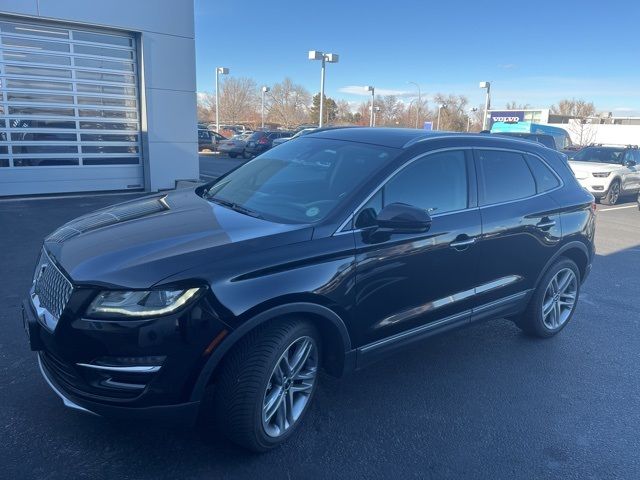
(206, 107)
(454, 116)
(391, 111)
(512, 105)
(343, 112)
(238, 100)
(289, 103)
(574, 108)
(581, 130)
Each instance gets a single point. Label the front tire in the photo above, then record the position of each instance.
(267, 383)
(233, 154)
(613, 194)
(553, 302)
(246, 155)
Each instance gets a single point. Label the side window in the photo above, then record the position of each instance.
(636, 156)
(544, 177)
(504, 176)
(437, 183)
(628, 155)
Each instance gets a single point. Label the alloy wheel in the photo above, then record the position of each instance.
(290, 386)
(559, 299)
(614, 194)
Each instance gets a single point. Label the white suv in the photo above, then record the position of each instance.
(608, 172)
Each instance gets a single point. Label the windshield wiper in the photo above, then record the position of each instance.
(235, 207)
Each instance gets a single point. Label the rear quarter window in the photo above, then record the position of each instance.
(544, 177)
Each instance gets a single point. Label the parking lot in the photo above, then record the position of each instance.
(484, 402)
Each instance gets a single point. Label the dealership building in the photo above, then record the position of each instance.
(96, 96)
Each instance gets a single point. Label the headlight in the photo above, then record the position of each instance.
(139, 304)
(601, 174)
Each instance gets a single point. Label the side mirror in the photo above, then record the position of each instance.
(403, 218)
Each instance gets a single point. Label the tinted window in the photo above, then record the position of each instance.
(302, 181)
(256, 136)
(547, 141)
(544, 177)
(504, 176)
(437, 183)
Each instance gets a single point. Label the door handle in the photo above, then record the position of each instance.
(546, 222)
(463, 243)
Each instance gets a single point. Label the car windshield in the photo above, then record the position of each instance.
(599, 155)
(302, 181)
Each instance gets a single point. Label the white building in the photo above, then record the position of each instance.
(96, 96)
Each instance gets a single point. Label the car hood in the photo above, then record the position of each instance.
(139, 243)
(592, 166)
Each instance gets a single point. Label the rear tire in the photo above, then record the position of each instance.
(260, 398)
(553, 302)
(613, 194)
(233, 155)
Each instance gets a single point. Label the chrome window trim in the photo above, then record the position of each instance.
(340, 229)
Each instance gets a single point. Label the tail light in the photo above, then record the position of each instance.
(263, 141)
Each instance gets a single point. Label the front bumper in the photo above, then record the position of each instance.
(183, 414)
(597, 187)
(166, 394)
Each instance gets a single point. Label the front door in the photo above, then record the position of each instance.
(407, 280)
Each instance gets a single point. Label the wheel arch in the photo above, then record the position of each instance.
(339, 357)
(576, 251)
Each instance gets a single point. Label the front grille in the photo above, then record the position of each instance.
(51, 286)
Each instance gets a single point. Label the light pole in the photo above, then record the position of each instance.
(223, 71)
(419, 105)
(487, 102)
(371, 89)
(264, 89)
(375, 110)
(440, 107)
(473, 110)
(324, 57)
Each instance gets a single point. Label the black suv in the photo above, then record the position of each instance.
(261, 141)
(324, 253)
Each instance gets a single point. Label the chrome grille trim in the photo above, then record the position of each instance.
(50, 292)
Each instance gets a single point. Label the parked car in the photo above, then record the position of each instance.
(607, 171)
(327, 253)
(208, 140)
(562, 139)
(300, 133)
(235, 145)
(262, 140)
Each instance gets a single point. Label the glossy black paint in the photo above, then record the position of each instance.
(369, 290)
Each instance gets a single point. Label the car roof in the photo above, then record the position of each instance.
(404, 137)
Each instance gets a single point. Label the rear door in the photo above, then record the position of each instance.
(520, 222)
(631, 175)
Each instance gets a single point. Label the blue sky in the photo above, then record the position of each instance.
(534, 52)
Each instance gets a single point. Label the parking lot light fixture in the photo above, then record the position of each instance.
(264, 89)
(487, 102)
(219, 71)
(324, 58)
(371, 89)
(419, 104)
(440, 107)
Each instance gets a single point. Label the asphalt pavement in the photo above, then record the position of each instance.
(486, 402)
